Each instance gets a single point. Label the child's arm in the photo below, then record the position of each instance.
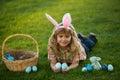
(74, 64)
(53, 61)
(82, 53)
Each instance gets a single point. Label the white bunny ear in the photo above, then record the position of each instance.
(98, 58)
(52, 20)
(66, 20)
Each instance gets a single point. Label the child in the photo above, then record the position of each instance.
(65, 46)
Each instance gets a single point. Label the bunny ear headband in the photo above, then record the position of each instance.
(66, 21)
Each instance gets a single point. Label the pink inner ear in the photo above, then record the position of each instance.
(66, 22)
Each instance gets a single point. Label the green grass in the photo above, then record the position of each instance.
(28, 17)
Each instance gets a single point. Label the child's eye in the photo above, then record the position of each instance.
(60, 36)
(67, 36)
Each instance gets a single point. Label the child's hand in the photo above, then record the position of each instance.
(54, 66)
(66, 70)
(56, 69)
(82, 55)
(65, 67)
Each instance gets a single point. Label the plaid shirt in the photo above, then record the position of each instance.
(66, 56)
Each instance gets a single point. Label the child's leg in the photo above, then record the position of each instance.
(81, 37)
(87, 50)
(89, 42)
(84, 41)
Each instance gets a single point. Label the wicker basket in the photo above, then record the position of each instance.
(20, 65)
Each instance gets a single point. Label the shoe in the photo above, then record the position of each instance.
(81, 36)
(92, 36)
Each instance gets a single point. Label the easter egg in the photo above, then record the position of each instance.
(64, 66)
(11, 58)
(110, 67)
(7, 55)
(34, 68)
(28, 69)
(104, 67)
(58, 65)
(21, 57)
(84, 69)
(89, 67)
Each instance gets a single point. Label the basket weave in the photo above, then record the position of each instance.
(20, 65)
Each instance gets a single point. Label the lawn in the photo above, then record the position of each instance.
(28, 17)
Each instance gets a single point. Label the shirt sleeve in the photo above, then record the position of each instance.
(76, 57)
(51, 55)
(82, 53)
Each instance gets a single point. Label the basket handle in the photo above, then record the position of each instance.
(3, 44)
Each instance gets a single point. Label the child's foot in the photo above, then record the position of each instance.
(93, 34)
(81, 36)
(93, 37)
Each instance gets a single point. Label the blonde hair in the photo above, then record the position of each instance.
(72, 47)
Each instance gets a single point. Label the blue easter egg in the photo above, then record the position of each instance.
(58, 65)
(64, 66)
(28, 69)
(110, 67)
(34, 68)
(89, 67)
(9, 57)
(84, 69)
(104, 67)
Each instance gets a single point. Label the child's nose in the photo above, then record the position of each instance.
(64, 39)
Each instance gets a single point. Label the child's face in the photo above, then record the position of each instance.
(63, 39)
